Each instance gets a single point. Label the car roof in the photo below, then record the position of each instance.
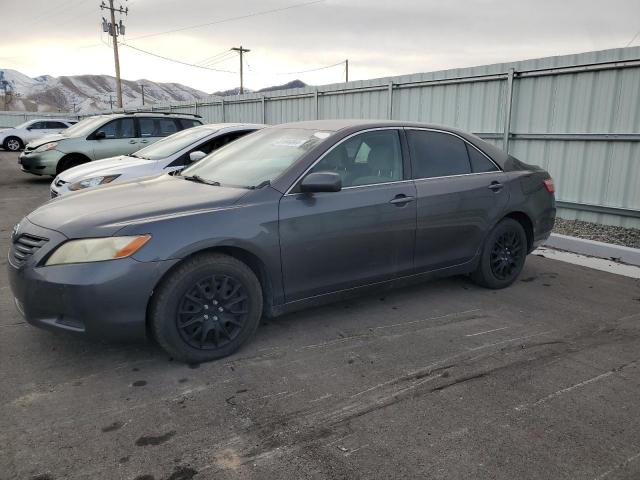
(52, 119)
(354, 125)
(220, 126)
(148, 114)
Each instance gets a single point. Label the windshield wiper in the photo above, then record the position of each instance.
(199, 179)
(260, 185)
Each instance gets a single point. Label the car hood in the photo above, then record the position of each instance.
(107, 166)
(102, 211)
(52, 137)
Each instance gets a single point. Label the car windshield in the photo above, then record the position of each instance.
(24, 124)
(256, 159)
(85, 127)
(174, 143)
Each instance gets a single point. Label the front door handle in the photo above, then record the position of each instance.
(496, 186)
(133, 141)
(401, 200)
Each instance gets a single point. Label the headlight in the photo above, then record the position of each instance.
(46, 147)
(97, 249)
(92, 182)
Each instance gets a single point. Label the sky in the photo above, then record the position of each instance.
(379, 37)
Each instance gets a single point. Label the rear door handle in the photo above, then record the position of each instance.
(496, 186)
(401, 199)
(144, 141)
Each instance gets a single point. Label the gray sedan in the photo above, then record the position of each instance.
(290, 216)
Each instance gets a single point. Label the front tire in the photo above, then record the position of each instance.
(503, 255)
(69, 162)
(207, 308)
(13, 144)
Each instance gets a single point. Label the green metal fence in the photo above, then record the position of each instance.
(576, 115)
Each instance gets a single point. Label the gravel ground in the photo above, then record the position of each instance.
(628, 237)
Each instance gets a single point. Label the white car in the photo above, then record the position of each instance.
(14, 139)
(171, 153)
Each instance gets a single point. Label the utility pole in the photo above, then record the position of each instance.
(241, 50)
(346, 70)
(111, 101)
(115, 30)
(142, 88)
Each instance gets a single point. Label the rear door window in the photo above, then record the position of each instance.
(437, 154)
(147, 126)
(166, 127)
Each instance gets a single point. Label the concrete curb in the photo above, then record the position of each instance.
(592, 248)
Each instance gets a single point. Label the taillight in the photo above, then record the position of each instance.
(548, 184)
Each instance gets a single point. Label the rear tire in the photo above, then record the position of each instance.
(503, 255)
(13, 144)
(206, 308)
(69, 162)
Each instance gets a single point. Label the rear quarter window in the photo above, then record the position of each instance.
(480, 163)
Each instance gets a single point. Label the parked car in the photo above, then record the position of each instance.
(171, 153)
(14, 139)
(100, 136)
(289, 216)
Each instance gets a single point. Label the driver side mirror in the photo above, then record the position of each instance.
(99, 135)
(196, 156)
(321, 182)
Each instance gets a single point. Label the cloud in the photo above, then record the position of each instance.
(380, 37)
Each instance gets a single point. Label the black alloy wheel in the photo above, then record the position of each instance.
(213, 312)
(506, 255)
(502, 256)
(206, 307)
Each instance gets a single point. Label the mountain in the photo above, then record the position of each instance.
(85, 92)
(236, 91)
(292, 84)
(88, 93)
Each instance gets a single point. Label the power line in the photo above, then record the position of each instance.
(225, 58)
(312, 69)
(634, 37)
(176, 61)
(220, 54)
(231, 19)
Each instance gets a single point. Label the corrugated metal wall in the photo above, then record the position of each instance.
(576, 115)
(12, 119)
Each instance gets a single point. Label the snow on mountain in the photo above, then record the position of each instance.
(86, 93)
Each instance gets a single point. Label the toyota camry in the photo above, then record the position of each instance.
(289, 216)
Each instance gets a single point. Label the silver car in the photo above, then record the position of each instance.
(14, 139)
(100, 137)
(169, 154)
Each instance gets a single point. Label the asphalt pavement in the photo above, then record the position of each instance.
(443, 380)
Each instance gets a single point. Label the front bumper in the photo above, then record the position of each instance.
(44, 163)
(101, 300)
(59, 188)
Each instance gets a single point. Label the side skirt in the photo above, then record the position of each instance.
(462, 269)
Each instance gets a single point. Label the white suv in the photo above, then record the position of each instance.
(14, 139)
